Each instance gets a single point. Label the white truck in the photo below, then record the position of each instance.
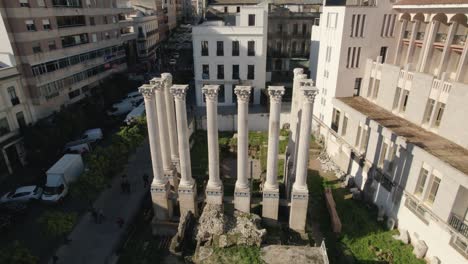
(60, 175)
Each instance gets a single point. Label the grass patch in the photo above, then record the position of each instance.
(362, 236)
(236, 254)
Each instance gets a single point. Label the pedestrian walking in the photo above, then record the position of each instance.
(94, 214)
(145, 180)
(100, 216)
(120, 222)
(54, 259)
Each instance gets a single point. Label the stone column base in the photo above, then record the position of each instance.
(214, 195)
(173, 178)
(188, 199)
(242, 199)
(298, 213)
(162, 203)
(270, 205)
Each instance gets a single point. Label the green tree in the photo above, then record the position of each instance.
(16, 253)
(56, 223)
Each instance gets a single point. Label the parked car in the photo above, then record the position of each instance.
(77, 147)
(22, 194)
(92, 135)
(121, 108)
(133, 97)
(137, 112)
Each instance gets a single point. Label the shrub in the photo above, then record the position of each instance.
(16, 253)
(57, 223)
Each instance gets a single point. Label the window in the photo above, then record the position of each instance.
(250, 72)
(328, 54)
(21, 120)
(251, 48)
(428, 111)
(52, 45)
(205, 71)
(396, 99)
(105, 20)
(4, 127)
(235, 48)
(365, 139)
(94, 37)
(433, 190)
(423, 174)
(92, 22)
(357, 86)
(280, 28)
(295, 27)
(278, 65)
(74, 94)
(73, 40)
(204, 48)
(391, 158)
(383, 153)
(70, 21)
(331, 20)
(388, 25)
(303, 48)
(24, 3)
(238, 9)
(221, 94)
(358, 136)
(376, 89)
(294, 47)
(30, 26)
(36, 47)
(219, 48)
(225, 9)
(383, 53)
(345, 126)
(304, 29)
(278, 48)
(220, 72)
(440, 113)
(251, 20)
(13, 97)
(405, 101)
(353, 57)
(235, 72)
(335, 120)
(46, 24)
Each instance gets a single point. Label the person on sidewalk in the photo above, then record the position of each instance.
(145, 180)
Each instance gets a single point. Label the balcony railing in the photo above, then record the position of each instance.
(441, 37)
(407, 34)
(417, 209)
(420, 36)
(459, 40)
(458, 224)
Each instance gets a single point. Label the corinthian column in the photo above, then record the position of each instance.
(242, 189)
(171, 119)
(270, 188)
(160, 187)
(214, 189)
(300, 193)
(187, 187)
(169, 169)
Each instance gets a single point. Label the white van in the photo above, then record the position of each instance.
(137, 112)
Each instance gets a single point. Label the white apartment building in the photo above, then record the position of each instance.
(231, 52)
(146, 26)
(14, 114)
(400, 130)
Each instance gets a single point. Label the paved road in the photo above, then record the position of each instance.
(93, 243)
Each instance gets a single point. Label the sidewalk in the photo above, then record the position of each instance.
(93, 243)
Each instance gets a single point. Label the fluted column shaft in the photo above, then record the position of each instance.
(179, 92)
(148, 92)
(304, 138)
(171, 118)
(275, 93)
(243, 95)
(211, 95)
(162, 118)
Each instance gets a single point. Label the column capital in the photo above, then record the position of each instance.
(158, 83)
(309, 93)
(147, 90)
(306, 82)
(179, 91)
(211, 92)
(298, 71)
(167, 79)
(276, 93)
(243, 93)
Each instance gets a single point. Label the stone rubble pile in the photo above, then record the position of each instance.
(329, 166)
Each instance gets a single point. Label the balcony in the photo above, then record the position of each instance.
(459, 40)
(67, 3)
(441, 37)
(458, 224)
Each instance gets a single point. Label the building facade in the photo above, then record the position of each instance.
(14, 114)
(64, 48)
(146, 26)
(393, 87)
(231, 52)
